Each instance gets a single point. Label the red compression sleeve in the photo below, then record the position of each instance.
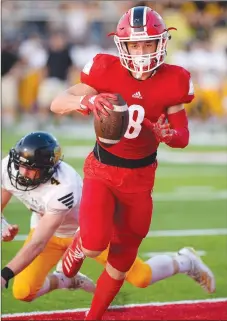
(179, 122)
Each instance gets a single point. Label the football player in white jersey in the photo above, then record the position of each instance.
(35, 174)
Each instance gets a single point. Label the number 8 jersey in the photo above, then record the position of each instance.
(169, 86)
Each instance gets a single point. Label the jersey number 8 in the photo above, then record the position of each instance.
(136, 117)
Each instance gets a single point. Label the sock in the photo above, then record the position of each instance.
(183, 262)
(106, 290)
(54, 281)
(63, 281)
(162, 267)
(44, 289)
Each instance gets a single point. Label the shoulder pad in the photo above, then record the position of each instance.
(95, 72)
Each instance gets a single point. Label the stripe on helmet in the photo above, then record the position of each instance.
(145, 18)
(138, 19)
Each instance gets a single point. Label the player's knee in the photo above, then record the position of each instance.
(94, 247)
(114, 273)
(140, 274)
(122, 258)
(22, 292)
(90, 253)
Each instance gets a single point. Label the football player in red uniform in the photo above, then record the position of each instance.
(116, 205)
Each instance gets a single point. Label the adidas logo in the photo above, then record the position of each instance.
(137, 95)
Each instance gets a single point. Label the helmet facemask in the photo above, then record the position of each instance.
(24, 183)
(140, 64)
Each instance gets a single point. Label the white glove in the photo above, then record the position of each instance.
(8, 231)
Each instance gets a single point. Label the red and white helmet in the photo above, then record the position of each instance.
(141, 24)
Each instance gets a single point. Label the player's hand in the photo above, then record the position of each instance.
(96, 103)
(162, 131)
(3, 283)
(9, 233)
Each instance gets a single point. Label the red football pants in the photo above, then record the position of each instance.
(108, 215)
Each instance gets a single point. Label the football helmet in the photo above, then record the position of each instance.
(37, 151)
(141, 24)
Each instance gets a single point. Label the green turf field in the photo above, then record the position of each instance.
(187, 197)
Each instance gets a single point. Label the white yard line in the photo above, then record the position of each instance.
(164, 156)
(167, 233)
(150, 254)
(196, 195)
(182, 195)
(118, 307)
(196, 232)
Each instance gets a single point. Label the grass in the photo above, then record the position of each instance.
(202, 210)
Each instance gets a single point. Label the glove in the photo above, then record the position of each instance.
(162, 131)
(8, 231)
(96, 103)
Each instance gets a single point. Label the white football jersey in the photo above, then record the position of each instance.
(59, 196)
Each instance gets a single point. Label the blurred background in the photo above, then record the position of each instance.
(45, 44)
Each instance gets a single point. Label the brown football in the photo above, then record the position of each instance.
(110, 129)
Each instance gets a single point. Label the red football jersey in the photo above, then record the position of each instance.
(171, 85)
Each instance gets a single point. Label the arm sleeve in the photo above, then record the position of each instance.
(179, 122)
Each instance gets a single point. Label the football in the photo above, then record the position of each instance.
(110, 129)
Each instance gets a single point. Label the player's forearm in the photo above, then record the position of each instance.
(69, 101)
(179, 122)
(25, 256)
(65, 103)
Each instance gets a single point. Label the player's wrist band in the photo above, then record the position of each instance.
(7, 274)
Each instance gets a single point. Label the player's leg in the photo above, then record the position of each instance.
(160, 267)
(127, 237)
(139, 275)
(34, 281)
(96, 220)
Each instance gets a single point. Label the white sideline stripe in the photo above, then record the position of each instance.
(164, 156)
(218, 231)
(197, 232)
(181, 196)
(190, 196)
(216, 300)
(149, 254)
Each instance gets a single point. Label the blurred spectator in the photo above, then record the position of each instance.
(33, 54)
(76, 20)
(57, 74)
(199, 44)
(10, 73)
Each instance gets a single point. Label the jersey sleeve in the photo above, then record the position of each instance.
(4, 175)
(180, 87)
(185, 90)
(63, 199)
(93, 73)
